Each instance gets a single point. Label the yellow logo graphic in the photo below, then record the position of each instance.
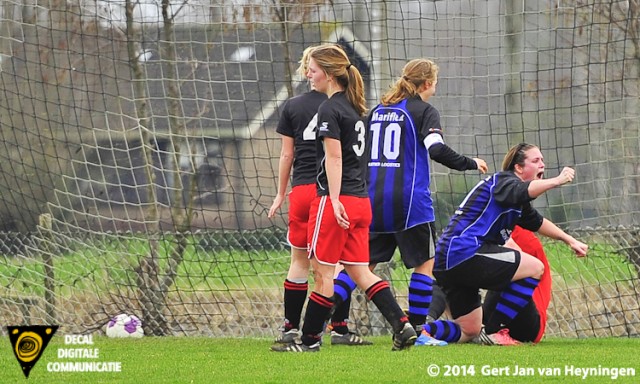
(29, 342)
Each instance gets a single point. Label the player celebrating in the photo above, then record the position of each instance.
(471, 254)
(341, 214)
(297, 128)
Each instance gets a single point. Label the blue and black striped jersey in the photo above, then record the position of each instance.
(487, 215)
(299, 121)
(399, 169)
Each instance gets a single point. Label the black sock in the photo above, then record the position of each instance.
(340, 316)
(438, 303)
(382, 297)
(318, 308)
(295, 294)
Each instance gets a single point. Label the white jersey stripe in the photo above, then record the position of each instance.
(509, 256)
(316, 230)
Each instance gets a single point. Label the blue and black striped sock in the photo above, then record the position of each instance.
(420, 294)
(515, 297)
(343, 286)
(445, 330)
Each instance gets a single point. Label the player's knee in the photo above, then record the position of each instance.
(469, 331)
(531, 267)
(538, 269)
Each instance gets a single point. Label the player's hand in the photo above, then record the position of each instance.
(579, 248)
(481, 165)
(341, 214)
(566, 176)
(277, 203)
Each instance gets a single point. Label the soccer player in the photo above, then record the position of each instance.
(405, 132)
(297, 128)
(530, 324)
(471, 254)
(341, 213)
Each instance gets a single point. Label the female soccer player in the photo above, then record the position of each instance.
(297, 127)
(471, 254)
(341, 214)
(404, 134)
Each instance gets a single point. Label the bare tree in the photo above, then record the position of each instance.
(287, 12)
(154, 283)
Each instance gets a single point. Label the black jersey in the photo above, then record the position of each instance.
(399, 169)
(337, 119)
(488, 214)
(299, 121)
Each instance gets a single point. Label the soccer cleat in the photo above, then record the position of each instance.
(482, 338)
(502, 337)
(426, 339)
(347, 339)
(296, 347)
(290, 336)
(405, 338)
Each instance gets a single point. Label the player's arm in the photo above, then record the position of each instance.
(443, 154)
(540, 186)
(551, 230)
(284, 171)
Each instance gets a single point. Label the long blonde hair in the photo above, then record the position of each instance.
(333, 60)
(303, 68)
(414, 74)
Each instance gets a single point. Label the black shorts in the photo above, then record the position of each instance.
(416, 245)
(524, 327)
(492, 267)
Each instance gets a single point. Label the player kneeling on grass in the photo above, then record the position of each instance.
(531, 322)
(471, 255)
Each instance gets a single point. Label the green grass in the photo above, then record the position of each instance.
(98, 269)
(213, 360)
(112, 264)
(602, 264)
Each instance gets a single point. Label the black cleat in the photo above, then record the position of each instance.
(290, 336)
(347, 339)
(405, 338)
(296, 347)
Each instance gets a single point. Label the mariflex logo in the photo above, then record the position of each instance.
(29, 342)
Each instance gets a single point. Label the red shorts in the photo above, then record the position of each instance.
(530, 244)
(300, 199)
(542, 297)
(331, 244)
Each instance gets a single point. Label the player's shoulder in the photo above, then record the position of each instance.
(430, 109)
(334, 103)
(422, 110)
(310, 97)
(505, 182)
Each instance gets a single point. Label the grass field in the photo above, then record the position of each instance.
(101, 269)
(211, 360)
